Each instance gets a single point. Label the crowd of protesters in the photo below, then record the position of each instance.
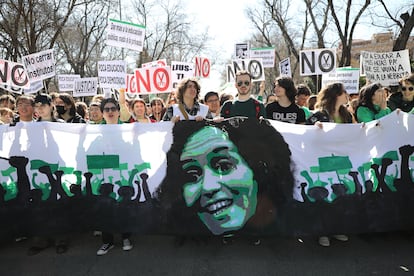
(284, 102)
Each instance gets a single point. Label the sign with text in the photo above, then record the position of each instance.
(181, 70)
(131, 85)
(386, 68)
(40, 66)
(317, 61)
(156, 63)
(125, 35)
(13, 89)
(85, 87)
(152, 80)
(66, 81)
(112, 74)
(13, 74)
(202, 67)
(241, 50)
(348, 76)
(266, 54)
(34, 87)
(253, 66)
(285, 68)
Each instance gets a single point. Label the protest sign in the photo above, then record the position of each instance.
(34, 87)
(181, 70)
(285, 68)
(156, 63)
(112, 74)
(241, 50)
(386, 68)
(317, 61)
(66, 81)
(13, 74)
(125, 35)
(348, 76)
(253, 66)
(40, 66)
(267, 55)
(202, 67)
(85, 87)
(152, 80)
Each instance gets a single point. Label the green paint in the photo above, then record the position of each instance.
(102, 161)
(36, 164)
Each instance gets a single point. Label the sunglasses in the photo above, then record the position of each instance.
(113, 109)
(410, 88)
(246, 83)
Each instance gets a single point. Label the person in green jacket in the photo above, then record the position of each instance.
(372, 103)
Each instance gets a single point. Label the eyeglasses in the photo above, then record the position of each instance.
(113, 109)
(246, 83)
(410, 88)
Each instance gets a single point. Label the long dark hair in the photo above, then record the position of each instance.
(326, 101)
(365, 96)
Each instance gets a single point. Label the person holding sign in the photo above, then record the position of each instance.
(188, 106)
(403, 100)
(372, 103)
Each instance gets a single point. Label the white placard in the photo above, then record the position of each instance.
(40, 66)
(85, 87)
(317, 61)
(181, 70)
(112, 74)
(125, 35)
(13, 74)
(348, 76)
(66, 81)
(266, 54)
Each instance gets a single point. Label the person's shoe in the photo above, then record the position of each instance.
(97, 233)
(104, 249)
(256, 242)
(343, 238)
(324, 241)
(126, 245)
(61, 248)
(19, 239)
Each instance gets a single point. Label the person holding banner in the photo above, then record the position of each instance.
(66, 108)
(188, 106)
(372, 103)
(244, 105)
(285, 109)
(111, 113)
(403, 100)
(25, 109)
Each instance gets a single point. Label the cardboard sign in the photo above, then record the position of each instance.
(112, 74)
(348, 76)
(317, 61)
(85, 87)
(40, 66)
(253, 66)
(386, 68)
(285, 68)
(181, 70)
(202, 67)
(152, 80)
(266, 54)
(66, 81)
(125, 35)
(13, 74)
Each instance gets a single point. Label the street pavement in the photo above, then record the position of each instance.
(373, 254)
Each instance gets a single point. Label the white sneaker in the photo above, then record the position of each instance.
(343, 238)
(324, 241)
(126, 245)
(104, 249)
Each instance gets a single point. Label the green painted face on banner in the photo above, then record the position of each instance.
(222, 183)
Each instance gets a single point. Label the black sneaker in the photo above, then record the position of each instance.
(104, 249)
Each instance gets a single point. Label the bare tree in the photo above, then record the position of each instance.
(346, 31)
(29, 26)
(168, 31)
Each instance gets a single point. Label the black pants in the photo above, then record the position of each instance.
(109, 237)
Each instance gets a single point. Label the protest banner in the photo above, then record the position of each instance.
(122, 178)
(202, 67)
(13, 89)
(386, 68)
(241, 50)
(66, 81)
(40, 66)
(348, 76)
(285, 68)
(125, 35)
(85, 87)
(152, 80)
(112, 74)
(317, 61)
(13, 74)
(181, 70)
(267, 55)
(253, 66)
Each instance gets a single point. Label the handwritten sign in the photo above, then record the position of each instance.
(125, 35)
(40, 66)
(112, 74)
